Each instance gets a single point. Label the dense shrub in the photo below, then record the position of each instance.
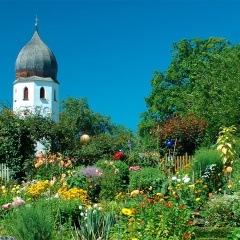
(115, 178)
(208, 165)
(147, 179)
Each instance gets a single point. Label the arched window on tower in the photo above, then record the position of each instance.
(54, 95)
(25, 93)
(42, 93)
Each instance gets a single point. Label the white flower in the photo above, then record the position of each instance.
(80, 207)
(94, 211)
(100, 208)
(56, 195)
(82, 214)
(178, 180)
(95, 205)
(186, 179)
(174, 178)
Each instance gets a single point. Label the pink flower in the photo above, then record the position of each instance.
(134, 168)
(17, 202)
(6, 206)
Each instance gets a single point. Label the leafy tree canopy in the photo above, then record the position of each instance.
(203, 80)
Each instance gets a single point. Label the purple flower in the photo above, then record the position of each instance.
(91, 171)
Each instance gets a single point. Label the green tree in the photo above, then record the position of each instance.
(77, 118)
(16, 143)
(202, 79)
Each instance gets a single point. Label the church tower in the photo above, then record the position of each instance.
(36, 88)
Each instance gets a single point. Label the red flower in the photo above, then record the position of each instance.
(190, 223)
(185, 235)
(118, 156)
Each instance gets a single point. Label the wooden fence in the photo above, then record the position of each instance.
(4, 172)
(178, 161)
(165, 162)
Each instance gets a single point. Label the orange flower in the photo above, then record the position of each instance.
(142, 205)
(190, 223)
(166, 197)
(182, 207)
(134, 210)
(131, 220)
(168, 205)
(210, 194)
(205, 186)
(185, 235)
(151, 200)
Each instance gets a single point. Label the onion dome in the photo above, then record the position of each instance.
(36, 59)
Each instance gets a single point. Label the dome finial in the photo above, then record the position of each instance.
(36, 22)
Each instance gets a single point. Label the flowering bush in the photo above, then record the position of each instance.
(72, 193)
(115, 178)
(222, 210)
(50, 165)
(158, 219)
(149, 179)
(88, 178)
(37, 189)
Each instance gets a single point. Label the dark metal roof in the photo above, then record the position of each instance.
(36, 59)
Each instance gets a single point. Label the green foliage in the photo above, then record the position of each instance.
(63, 211)
(29, 222)
(208, 165)
(235, 234)
(101, 146)
(142, 219)
(226, 144)
(88, 178)
(95, 224)
(212, 232)
(188, 131)
(146, 178)
(115, 178)
(222, 211)
(16, 144)
(202, 73)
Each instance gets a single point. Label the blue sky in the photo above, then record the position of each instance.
(107, 50)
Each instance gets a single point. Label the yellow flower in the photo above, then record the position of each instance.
(126, 211)
(159, 194)
(198, 199)
(229, 169)
(135, 193)
(230, 186)
(134, 239)
(150, 188)
(192, 185)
